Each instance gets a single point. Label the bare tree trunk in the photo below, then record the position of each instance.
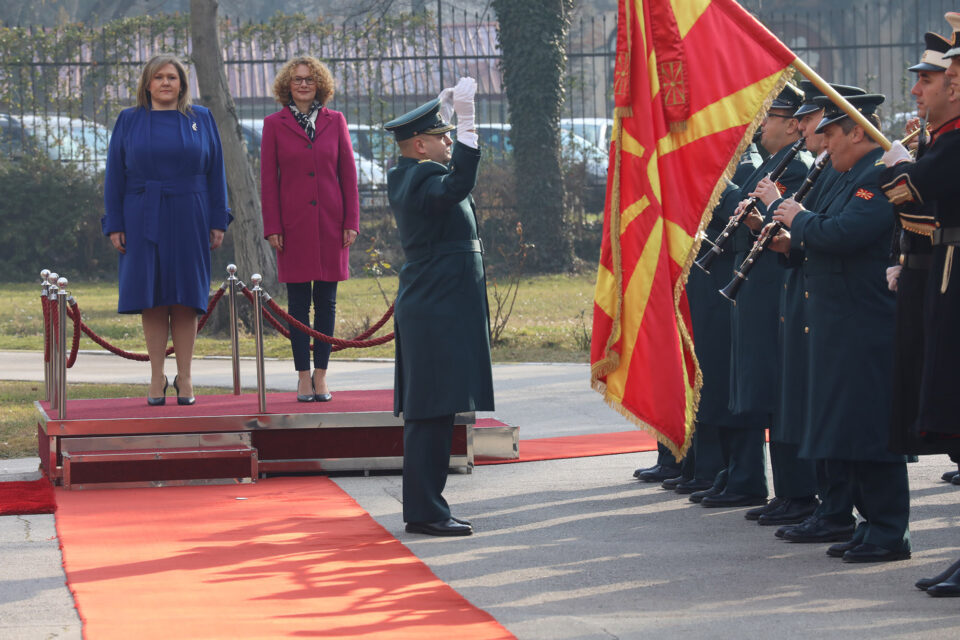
(251, 251)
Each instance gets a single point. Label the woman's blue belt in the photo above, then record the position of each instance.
(153, 190)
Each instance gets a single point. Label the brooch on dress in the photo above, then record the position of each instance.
(193, 125)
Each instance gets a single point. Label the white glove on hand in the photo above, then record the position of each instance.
(897, 154)
(446, 104)
(893, 276)
(463, 106)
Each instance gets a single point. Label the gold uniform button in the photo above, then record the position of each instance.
(781, 319)
(806, 294)
(806, 329)
(784, 285)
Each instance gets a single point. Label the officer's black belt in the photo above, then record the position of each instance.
(415, 254)
(946, 235)
(916, 260)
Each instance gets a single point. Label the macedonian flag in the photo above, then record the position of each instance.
(693, 79)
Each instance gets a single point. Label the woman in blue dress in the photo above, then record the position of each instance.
(165, 200)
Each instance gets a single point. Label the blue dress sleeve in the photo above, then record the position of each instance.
(115, 180)
(220, 216)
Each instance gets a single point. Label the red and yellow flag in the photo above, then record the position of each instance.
(693, 79)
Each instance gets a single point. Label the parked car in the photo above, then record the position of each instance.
(573, 149)
(371, 178)
(594, 130)
(81, 143)
(374, 143)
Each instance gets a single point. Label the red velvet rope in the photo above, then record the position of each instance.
(75, 347)
(74, 313)
(44, 304)
(338, 344)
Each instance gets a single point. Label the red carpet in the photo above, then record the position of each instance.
(23, 498)
(594, 444)
(283, 558)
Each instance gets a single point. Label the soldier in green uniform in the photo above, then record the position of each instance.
(441, 318)
(753, 322)
(850, 324)
(797, 480)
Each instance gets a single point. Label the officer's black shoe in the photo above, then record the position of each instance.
(694, 485)
(950, 475)
(956, 480)
(793, 511)
(949, 588)
(782, 531)
(837, 550)
(925, 583)
(698, 496)
(819, 530)
(637, 472)
(727, 499)
(671, 483)
(872, 553)
(658, 473)
(773, 505)
(448, 527)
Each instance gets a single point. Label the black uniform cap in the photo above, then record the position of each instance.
(424, 119)
(933, 55)
(789, 98)
(865, 104)
(811, 93)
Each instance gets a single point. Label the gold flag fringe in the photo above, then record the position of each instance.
(611, 359)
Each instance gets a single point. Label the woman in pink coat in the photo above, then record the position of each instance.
(311, 208)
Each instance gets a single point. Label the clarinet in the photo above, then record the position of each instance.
(740, 275)
(716, 247)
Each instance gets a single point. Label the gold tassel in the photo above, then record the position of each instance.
(947, 268)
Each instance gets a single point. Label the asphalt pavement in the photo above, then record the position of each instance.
(563, 549)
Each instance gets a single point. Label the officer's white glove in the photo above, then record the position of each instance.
(446, 104)
(893, 276)
(463, 106)
(896, 154)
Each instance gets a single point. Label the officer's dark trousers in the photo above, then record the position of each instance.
(835, 492)
(881, 494)
(426, 461)
(324, 296)
(707, 451)
(793, 477)
(746, 461)
(665, 458)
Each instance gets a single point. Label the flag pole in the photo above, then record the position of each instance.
(841, 102)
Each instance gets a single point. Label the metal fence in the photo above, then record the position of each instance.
(78, 78)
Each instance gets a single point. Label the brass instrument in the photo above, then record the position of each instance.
(716, 247)
(740, 275)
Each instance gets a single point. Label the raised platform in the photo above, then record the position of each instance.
(224, 438)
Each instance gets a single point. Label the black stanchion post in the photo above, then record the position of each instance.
(256, 279)
(234, 337)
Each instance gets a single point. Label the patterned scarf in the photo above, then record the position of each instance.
(306, 120)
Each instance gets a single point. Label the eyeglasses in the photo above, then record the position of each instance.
(307, 82)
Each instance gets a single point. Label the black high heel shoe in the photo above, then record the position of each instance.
(162, 400)
(180, 399)
(305, 397)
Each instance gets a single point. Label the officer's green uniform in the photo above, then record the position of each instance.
(710, 316)
(850, 321)
(441, 319)
(753, 328)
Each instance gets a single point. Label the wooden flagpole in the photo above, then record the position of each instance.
(841, 102)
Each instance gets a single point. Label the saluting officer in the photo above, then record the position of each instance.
(929, 185)
(850, 317)
(753, 321)
(441, 318)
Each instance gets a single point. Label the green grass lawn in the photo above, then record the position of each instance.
(550, 321)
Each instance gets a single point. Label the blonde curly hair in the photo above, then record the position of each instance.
(321, 74)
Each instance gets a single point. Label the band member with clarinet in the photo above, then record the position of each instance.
(929, 185)
(795, 479)
(850, 320)
(753, 321)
